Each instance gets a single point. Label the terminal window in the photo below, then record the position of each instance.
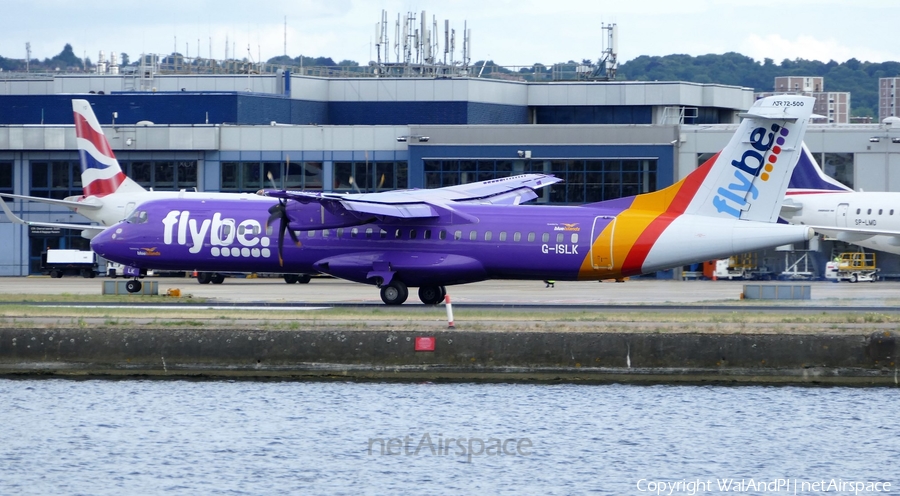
(163, 175)
(370, 177)
(56, 179)
(6, 179)
(250, 177)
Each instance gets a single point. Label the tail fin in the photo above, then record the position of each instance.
(100, 171)
(808, 177)
(749, 178)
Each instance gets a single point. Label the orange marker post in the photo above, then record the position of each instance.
(449, 311)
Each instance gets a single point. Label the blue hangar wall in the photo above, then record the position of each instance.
(249, 109)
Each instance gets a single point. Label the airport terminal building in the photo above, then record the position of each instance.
(227, 132)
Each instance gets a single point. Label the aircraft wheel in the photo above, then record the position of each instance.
(291, 278)
(133, 286)
(304, 278)
(432, 295)
(204, 277)
(394, 293)
(217, 278)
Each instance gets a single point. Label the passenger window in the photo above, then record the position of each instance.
(502, 235)
(879, 211)
(531, 237)
(545, 237)
(473, 235)
(574, 238)
(340, 232)
(354, 232)
(442, 235)
(457, 235)
(383, 234)
(427, 234)
(559, 237)
(869, 212)
(310, 234)
(369, 232)
(487, 236)
(412, 234)
(517, 237)
(325, 233)
(857, 211)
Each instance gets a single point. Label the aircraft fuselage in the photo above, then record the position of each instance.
(590, 242)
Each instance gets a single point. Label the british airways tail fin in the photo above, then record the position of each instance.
(809, 178)
(100, 171)
(749, 177)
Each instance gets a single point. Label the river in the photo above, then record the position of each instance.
(64, 436)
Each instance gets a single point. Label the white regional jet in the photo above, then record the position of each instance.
(867, 219)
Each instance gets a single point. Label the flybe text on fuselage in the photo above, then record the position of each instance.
(226, 236)
(753, 163)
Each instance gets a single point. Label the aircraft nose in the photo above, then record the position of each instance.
(102, 243)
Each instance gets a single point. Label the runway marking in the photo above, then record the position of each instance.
(188, 307)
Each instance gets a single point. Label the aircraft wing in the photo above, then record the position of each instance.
(425, 203)
(18, 220)
(65, 203)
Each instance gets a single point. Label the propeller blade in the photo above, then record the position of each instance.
(281, 242)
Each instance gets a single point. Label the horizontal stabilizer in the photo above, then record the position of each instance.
(50, 201)
(18, 220)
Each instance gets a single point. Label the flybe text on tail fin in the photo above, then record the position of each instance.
(749, 178)
(100, 171)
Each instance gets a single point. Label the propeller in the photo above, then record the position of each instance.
(279, 212)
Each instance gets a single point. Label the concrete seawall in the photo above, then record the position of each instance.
(839, 359)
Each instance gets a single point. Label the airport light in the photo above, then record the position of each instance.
(417, 137)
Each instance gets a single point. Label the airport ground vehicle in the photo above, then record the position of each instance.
(744, 266)
(853, 267)
(58, 263)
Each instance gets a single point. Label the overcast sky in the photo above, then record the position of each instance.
(509, 32)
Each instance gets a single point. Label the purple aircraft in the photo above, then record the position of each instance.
(430, 239)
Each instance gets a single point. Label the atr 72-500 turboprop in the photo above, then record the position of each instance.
(434, 238)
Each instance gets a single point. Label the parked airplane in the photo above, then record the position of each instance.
(109, 196)
(867, 219)
(433, 238)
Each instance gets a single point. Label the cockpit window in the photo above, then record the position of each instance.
(137, 217)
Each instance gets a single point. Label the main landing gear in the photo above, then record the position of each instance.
(297, 278)
(210, 277)
(396, 293)
(432, 295)
(133, 286)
